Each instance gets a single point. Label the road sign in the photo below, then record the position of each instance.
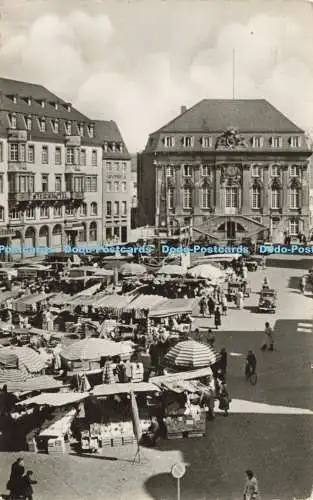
(178, 470)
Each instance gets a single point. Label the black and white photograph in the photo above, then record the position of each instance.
(156, 244)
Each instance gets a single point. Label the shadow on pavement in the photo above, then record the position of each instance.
(291, 263)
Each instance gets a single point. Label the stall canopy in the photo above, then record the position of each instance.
(92, 349)
(4, 296)
(104, 390)
(114, 302)
(25, 383)
(61, 299)
(133, 269)
(172, 307)
(180, 386)
(142, 302)
(58, 399)
(191, 354)
(22, 357)
(24, 303)
(206, 271)
(172, 270)
(188, 375)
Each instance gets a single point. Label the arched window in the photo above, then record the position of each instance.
(57, 230)
(83, 210)
(187, 197)
(275, 198)
(170, 197)
(82, 233)
(1, 213)
(205, 197)
(93, 209)
(93, 231)
(294, 198)
(256, 197)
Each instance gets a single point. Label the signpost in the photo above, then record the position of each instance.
(178, 471)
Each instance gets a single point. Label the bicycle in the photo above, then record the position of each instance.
(251, 375)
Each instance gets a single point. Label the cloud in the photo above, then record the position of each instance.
(138, 63)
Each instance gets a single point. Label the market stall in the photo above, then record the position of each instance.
(109, 414)
(32, 303)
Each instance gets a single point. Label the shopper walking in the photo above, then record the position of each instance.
(268, 341)
(217, 318)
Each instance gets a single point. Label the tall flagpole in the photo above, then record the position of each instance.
(234, 72)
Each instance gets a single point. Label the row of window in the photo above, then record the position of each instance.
(233, 197)
(116, 187)
(207, 142)
(26, 184)
(73, 156)
(45, 212)
(57, 233)
(116, 208)
(256, 171)
(57, 126)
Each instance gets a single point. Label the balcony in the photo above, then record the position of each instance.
(7, 232)
(16, 223)
(16, 135)
(72, 169)
(19, 166)
(45, 196)
(73, 141)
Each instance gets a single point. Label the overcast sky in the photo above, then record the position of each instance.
(137, 62)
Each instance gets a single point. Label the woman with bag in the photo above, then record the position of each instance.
(251, 491)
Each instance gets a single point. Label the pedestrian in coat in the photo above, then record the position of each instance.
(302, 284)
(217, 318)
(15, 483)
(211, 306)
(224, 305)
(222, 365)
(203, 307)
(224, 399)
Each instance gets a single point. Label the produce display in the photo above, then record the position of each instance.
(193, 424)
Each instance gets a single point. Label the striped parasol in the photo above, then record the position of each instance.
(191, 354)
(172, 270)
(133, 269)
(22, 357)
(92, 349)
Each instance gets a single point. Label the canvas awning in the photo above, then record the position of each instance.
(146, 302)
(111, 389)
(58, 399)
(20, 381)
(114, 302)
(172, 307)
(188, 375)
(4, 296)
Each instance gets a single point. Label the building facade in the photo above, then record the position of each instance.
(51, 178)
(227, 169)
(116, 184)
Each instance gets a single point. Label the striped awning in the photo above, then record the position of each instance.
(147, 302)
(22, 357)
(92, 349)
(171, 307)
(191, 354)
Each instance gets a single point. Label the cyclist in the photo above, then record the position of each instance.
(250, 364)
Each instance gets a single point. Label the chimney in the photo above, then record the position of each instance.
(183, 109)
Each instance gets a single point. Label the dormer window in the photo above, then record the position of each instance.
(113, 147)
(68, 127)
(14, 99)
(295, 142)
(105, 147)
(29, 101)
(55, 126)
(42, 103)
(42, 124)
(28, 121)
(56, 106)
(69, 107)
(12, 119)
(187, 142)
(81, 129)
(257, 142)
(91, 130)
(276, 142)
(206, 142)
(121, 147)
(169, 142)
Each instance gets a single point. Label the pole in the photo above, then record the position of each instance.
(178, 489)
(234, 72)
